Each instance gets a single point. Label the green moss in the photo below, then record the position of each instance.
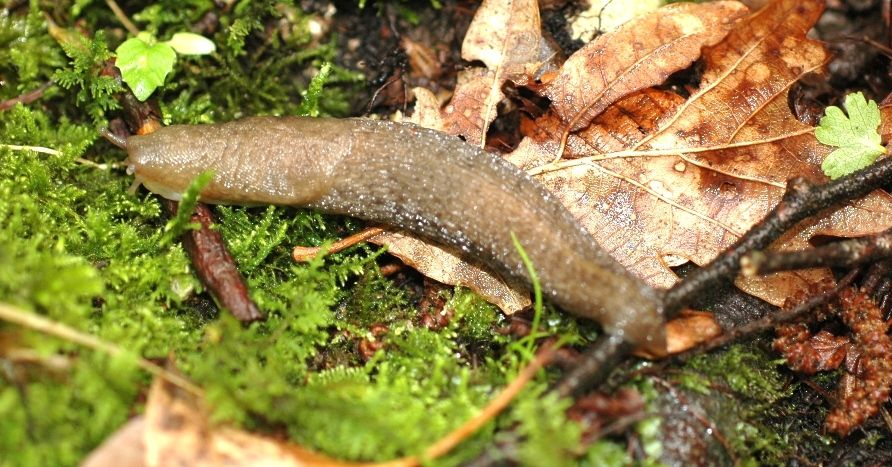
(475, 320)
(746, 370)
(551, 439)
(756, 416)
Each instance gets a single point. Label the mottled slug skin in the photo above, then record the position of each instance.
(413, 178)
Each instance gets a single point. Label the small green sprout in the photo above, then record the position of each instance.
(182, 221)
(145, 63)
(855, 136)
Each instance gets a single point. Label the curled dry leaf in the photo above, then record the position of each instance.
(639, 54)
(444, 266)
(659, 179)
(506, 36)
(471, 110)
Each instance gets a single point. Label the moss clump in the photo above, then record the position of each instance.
(757, 415)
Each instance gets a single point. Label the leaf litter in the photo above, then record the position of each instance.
(660, 179)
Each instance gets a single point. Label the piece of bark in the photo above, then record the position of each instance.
(214, 265)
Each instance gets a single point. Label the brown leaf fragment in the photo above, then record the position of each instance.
(886, 121)
(175, 430)
(690, 329)
(468, 113)
(505, 35)
(215, 266)
(473, 106)
(444, 266)
(639, 54)
(423, 60)
(124, 448)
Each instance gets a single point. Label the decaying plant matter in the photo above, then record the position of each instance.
(866, 355)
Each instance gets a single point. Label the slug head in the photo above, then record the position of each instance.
(166, 161)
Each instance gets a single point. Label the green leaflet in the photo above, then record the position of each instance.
(855, 136)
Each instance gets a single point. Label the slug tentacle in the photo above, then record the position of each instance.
(416, 179)
(113, 138)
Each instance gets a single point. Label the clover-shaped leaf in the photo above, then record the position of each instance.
(144, 64)
(856, 136)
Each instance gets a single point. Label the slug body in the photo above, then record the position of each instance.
(413, 178)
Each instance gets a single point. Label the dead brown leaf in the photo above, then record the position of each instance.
(506, 36)
(175, 430)
(444, 266)
(660, 180)
(690, 329)
(639, 54)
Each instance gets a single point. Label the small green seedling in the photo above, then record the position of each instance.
(855, 136)
(144, 62)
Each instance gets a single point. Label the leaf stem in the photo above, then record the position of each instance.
(122, 17)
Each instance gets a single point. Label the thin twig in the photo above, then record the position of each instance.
(56, 152)
(40, 324)
(26, 98)
(845, 253)
(122, 17)
(306, 253)
(801, 200)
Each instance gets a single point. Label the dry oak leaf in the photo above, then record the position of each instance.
(468, 113)
(637, 55)
(659, 179)
(506, 36)
(444, 266)
(176, 430)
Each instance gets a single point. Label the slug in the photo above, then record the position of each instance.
(413, 178)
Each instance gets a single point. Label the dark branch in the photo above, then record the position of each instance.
(801, 200)
(770, 321)
(845, 253)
